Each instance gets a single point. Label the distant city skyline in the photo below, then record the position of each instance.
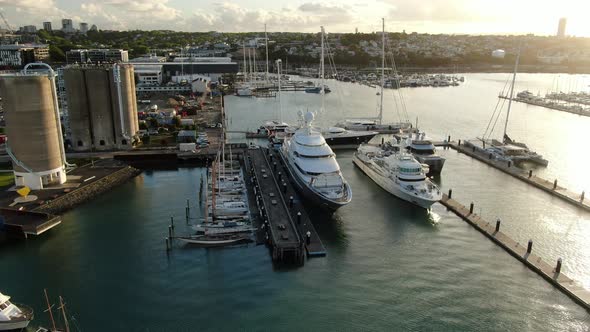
(427, 16)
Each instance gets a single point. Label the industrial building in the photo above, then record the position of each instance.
(18, 55)
(33, 128)
(102, 107)
(97, 56)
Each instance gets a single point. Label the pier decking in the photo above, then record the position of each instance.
(25, 223)
(290, 230)
(283, 237)
(521, 252)
(528, 177)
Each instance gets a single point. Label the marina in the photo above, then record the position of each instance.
(364, 237)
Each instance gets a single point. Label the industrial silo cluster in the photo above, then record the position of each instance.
(33, 127)
(102, 107)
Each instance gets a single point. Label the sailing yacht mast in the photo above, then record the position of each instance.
(382, 71)
(278, 63)
(266, 46)
(322, 70)
(244, 69)
(511, 93)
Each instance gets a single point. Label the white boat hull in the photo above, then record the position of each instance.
(13, 325)
(389, 186)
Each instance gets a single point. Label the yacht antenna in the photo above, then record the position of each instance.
(382, 71)
(511, 93)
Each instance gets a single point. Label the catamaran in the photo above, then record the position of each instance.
(508, 149)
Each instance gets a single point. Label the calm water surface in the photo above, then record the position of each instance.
(389, 266)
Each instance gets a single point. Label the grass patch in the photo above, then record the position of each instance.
(6, 179)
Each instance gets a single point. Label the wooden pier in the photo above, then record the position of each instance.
(287, 225)
(507, 167)
(521, 252)
(24, 223)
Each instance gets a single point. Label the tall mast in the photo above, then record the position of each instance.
(278, 63)
(266, 46)
(244, 69)
(382, 71)
(511, 92)
(63, 311)
(49, 309)
(322, 70)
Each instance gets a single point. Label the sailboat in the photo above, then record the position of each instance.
(376, 124)
(507, 149)
(322, 88)
(245, 89)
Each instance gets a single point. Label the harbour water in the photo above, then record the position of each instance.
(389, 266)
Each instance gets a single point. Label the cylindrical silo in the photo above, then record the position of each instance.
(124, 108)
(134, 95)
(99, 104)
(32, 129)
(78, 110)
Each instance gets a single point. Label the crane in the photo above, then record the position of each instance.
(8, 27)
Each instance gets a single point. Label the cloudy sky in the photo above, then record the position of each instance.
(432, 16)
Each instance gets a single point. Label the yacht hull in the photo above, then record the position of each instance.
(14, 325)
(435, 164)
(389, 186)
(351, 142)
(312, 196)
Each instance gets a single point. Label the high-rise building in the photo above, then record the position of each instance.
(83, 27)
(67, 26)
(47, 26)
(29, 29)
(561, 27)
(93, 28)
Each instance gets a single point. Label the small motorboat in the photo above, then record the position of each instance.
(210, 241)
(12, 316)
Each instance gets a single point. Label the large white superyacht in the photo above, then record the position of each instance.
(398, 173)
(313, 165)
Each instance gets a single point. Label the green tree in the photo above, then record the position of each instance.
(56, 53)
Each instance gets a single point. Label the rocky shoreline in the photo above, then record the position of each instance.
(89, 191)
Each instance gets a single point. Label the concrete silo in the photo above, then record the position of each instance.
(78, 112)
(98, 92)
(33, 128)
(124, 105)
(103, 111)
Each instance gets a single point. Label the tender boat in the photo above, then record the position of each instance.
(13, 317)
(318, 89)
(208, 241)
(313, 165)
(398, 173)
(424, 151)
